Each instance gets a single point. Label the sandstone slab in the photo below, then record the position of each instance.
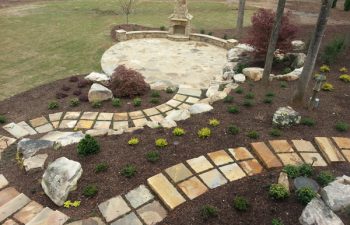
(29, 147)
(3, 181)
(330, 152)
(290, 159)
(251, 167)
(193, 187)
(89, 221)
(7, 194)
(27, 213)
(265, 154)
(152, 213)
(35, 162)
(37, 122)
(13, 206)
(240, 153)
(304, 146)
(28, 128)
(213, 178)
(113, 208)
(48, 216)
(44, 128)
(199, 164)
(63, 138)
(281, 146)
(139, 196)
(220, 157)
(16, 130)
(342, 142)
(178, 172)
(313, 158)
(131, 218)
(232, 171)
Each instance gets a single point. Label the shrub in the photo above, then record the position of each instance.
(202, 31)
(154, 100)
(128, 83)
(161, 142)
(239, 90)
(283, 84)
(325, 177)
(262, 24)
(90, 191)
(305, 195)
(275, 132)
(268, 100)
(345, 78)
(225, 37)
(152, 156)
(233, 129)
(291, 170)
(308, 121)
(306, 170)
(101, 167)
(248, 103)
(162, 28)
(155, 94)
(53, 105)
(214, 122)
(204, 132)
(178, 131)
(286, 70)
(228, 99)
(342, 126)
(88, 146)
(276, 222)
(210, 33)
(116, 102)
(96, 104)
(343, 70)
(270, 94)
(325, 69)
(2, 119)
(332, 50)
(233, 109)
(74, 102)
(240, 203)
(249, 95)
(137, 101)
(253, 134)
(208, 211)
(327, 87)
(169, 90)
(129, 171)
(133, 141)
(278, 192)
(347, 5)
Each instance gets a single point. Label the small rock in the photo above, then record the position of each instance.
(294, 75)
(229, 75)
(35, 162)
(28, 147)
(212, 90)
(200, 108)
(239, 78)
(239, 52)
(337, 194)
(253, 73)
(168, 123)
(298, 45)
(218, 96)
(98, 78)
(100, 93)
(97, 132)
(301, 182)
(283, 180)
(286, 116)
(229, 67)
(178, 115)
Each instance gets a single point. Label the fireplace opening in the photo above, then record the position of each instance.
(179, 30)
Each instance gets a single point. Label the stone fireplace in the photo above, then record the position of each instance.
(180, 20)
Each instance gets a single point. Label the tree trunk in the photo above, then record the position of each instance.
(273, 41)
(240, 19)
(315, 43)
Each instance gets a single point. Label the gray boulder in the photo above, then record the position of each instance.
(212, 90)
(60, 178)
(100, 93)
(298, 45)
(337, 194)
(294, 75)
(28, 147)
(200, 108)
(286, 116)
(98, 78)
(178, 115)
(62, 139)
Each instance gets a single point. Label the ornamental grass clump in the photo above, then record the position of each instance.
(128, 171)
(233, 129)
(88, 146)
(137, 101)
(53, 105)
(325, 69)
(208, 211)
(345, 78)
(228, 99)
(161, 142)
(214, 122)
(253, 134)
(133, 141)
(278, 192)
(342, 126)
(101, 167)
(204, 132)
(152, 156)
(2, 119)
(327, 87)
(308, 121)
(275, 132)
(178, 131)
(96, 104)
(74, 102)
(90, 191)
(240, 203)
(116, 102)
(233, 109)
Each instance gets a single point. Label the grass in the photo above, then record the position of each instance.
(47, 41)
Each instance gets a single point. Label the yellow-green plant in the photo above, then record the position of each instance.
(68, 204)
(178, 131)
(204, 132)
(343, 70)
(327, 87)
(214, 122)
(345, 78)
(19, 160)
(161, 142)
(133, 141)
(325, 69)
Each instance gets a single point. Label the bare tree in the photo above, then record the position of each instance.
(314, 47)
(240, 18)
(127, 7)
(273, 41)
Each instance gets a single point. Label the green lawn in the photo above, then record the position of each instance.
(46, 41)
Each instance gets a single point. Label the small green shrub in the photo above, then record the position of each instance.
(342, 126)
(152, 156)
(240, 203)
(249, 95)
(291, 170)
(248, 103)
(96, 104)
(308, 121)
(333, 50)
(53, 105)
(325, 69)
(239, 68)
(239, 90)
(101, 167)
(276, 222)
(347, 5)
(345, 78)
(210, 33)
(275, 132)
(208, 211)
(169, 90)
(325, 177)
(268, 100)
(155, 94)
(2, 119)
(327, 87)
(129, 171)
(214, 122)
(253, 134)
(270, 94)
(204, 132)
(88, 146)
(283, 84)
(306, 170)
(286, 70)
(278, 192)
(154, 100)
(137, 102)
(74, 102)
(162, 28)
(178, 131)
(133, 141)
(233, 109)
(233, 129)
(161, 142)
(305, 195)
(90, 191)
(202, 31)
(228, 99)
(116, 102)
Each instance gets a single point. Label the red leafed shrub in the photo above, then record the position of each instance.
(128, 83)
(262, 23)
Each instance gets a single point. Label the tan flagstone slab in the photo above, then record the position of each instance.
(179, 97)
(220, 157)
(240, 153)
(28, 128)
(164, 108)
(304, 146)
(71, 115)
(68, 124)
(193, 187)
(102, 125)
(89, 116)
(7, 194)
(44, 128)
(169, 112)
(173, 103)
(281, 146)
(232, 171)
(38, 121)
(152, 213)
(90, 221)
(3, 182)
(84, 124)
(120, 125)
(190, 91)
(120, 116)
(347, 154)
(342, 142)
(157, 118)
(151, 111)
(140, 122)
(13, 206)
(35, 162)
(139, 196)
(265, 155)
(136, 114)
(27, 213)
(105, 116)
(330, 152)
(49, 217)
(5, 142)
(165, 191)
(313, 158)
(15, 130)
(55, 124)
(55, 116)
(184, 106)
(192, 100)
(178, 172)
(251, 167)
(10, 222)
(131, 219)
(199, 164)
(113, 208)
(290, 158)
(213, 178)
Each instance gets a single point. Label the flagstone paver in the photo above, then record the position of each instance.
(213, 178)
(166, 191)
(313, 158)
(102, 125)
(266, 155)
(184, 106)
(190, 91)
(105, 116)
(199, 164)
(44, 128)
(131, 218)
(157, 118)
(331, 153)
(173, 103)
(193, 187)
(27, 213)
(240, 153)
(7, 194)
(163, 108)
(37, 122)
(27, 127)
(16, 130)
(55, 124)
(10, 222)
(232, 171)
(151, 111)
(192, 100)
(178, 172)
(68, 124)
(120, 125)
(90, 221)
(140, 122)
(281, 146)
(251, 167)
(3, 182)
(55, 116)
(71, 115)
(220, 157)
(113, 208)
(290, 159)
(180, 98)
(139, 196)
(5, 142)
(13, 206)
(84, 124)
(342, 142)
(152, 213)
(304, 146)
(48, 216)
(120, 116)
(89, 116)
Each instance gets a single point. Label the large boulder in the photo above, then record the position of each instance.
(298, 45)
(99, 78)
(200, 108)
(337, 194)
(167, 123)
(286, 116)
(212, 90)
(62, 139)
(240, 53)
(60, 178)
(99, 93)
(297, 59)
(178, 115)
(294, 75)
(253, 73)
(28, 147)
(317, 213)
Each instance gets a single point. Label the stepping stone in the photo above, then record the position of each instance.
(139, 196)
(55, 124)
(281, 146)
(101, 125)
(220, 157)
(120, 116)
(68, 124)
(151, 111)
(313, 158)
(240, 153)
(140, 122)
(184, 106)
(193, 187)
(152, 213)
(199, 164)
(180, 98)
(342, 142)
(105, 116)
(347, 154)
(136, 115)
(13, 206)
(5, 142)
(28, 128)
(49, 217)
(16, 130)
(164, 108)
(71, 115)
(7, 194)
(27, 213)
(330, 152)
(84, 124)
(113, 208)
(265, 155)
(173, 103)
(55, 116)
(64, 138)
(213, 178)
(37, 122)
(3, 182)
(157, 118)
(192, 100)
(10, 222)
(251, 167)
(35, 162)
(178, 172)
(190, 91)
(89, 116)
(232, 172)
(89, 221)
(44, 128)
(304, 146)
(131, 219)
(290, 159)
(120, 125)
(165, 191)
